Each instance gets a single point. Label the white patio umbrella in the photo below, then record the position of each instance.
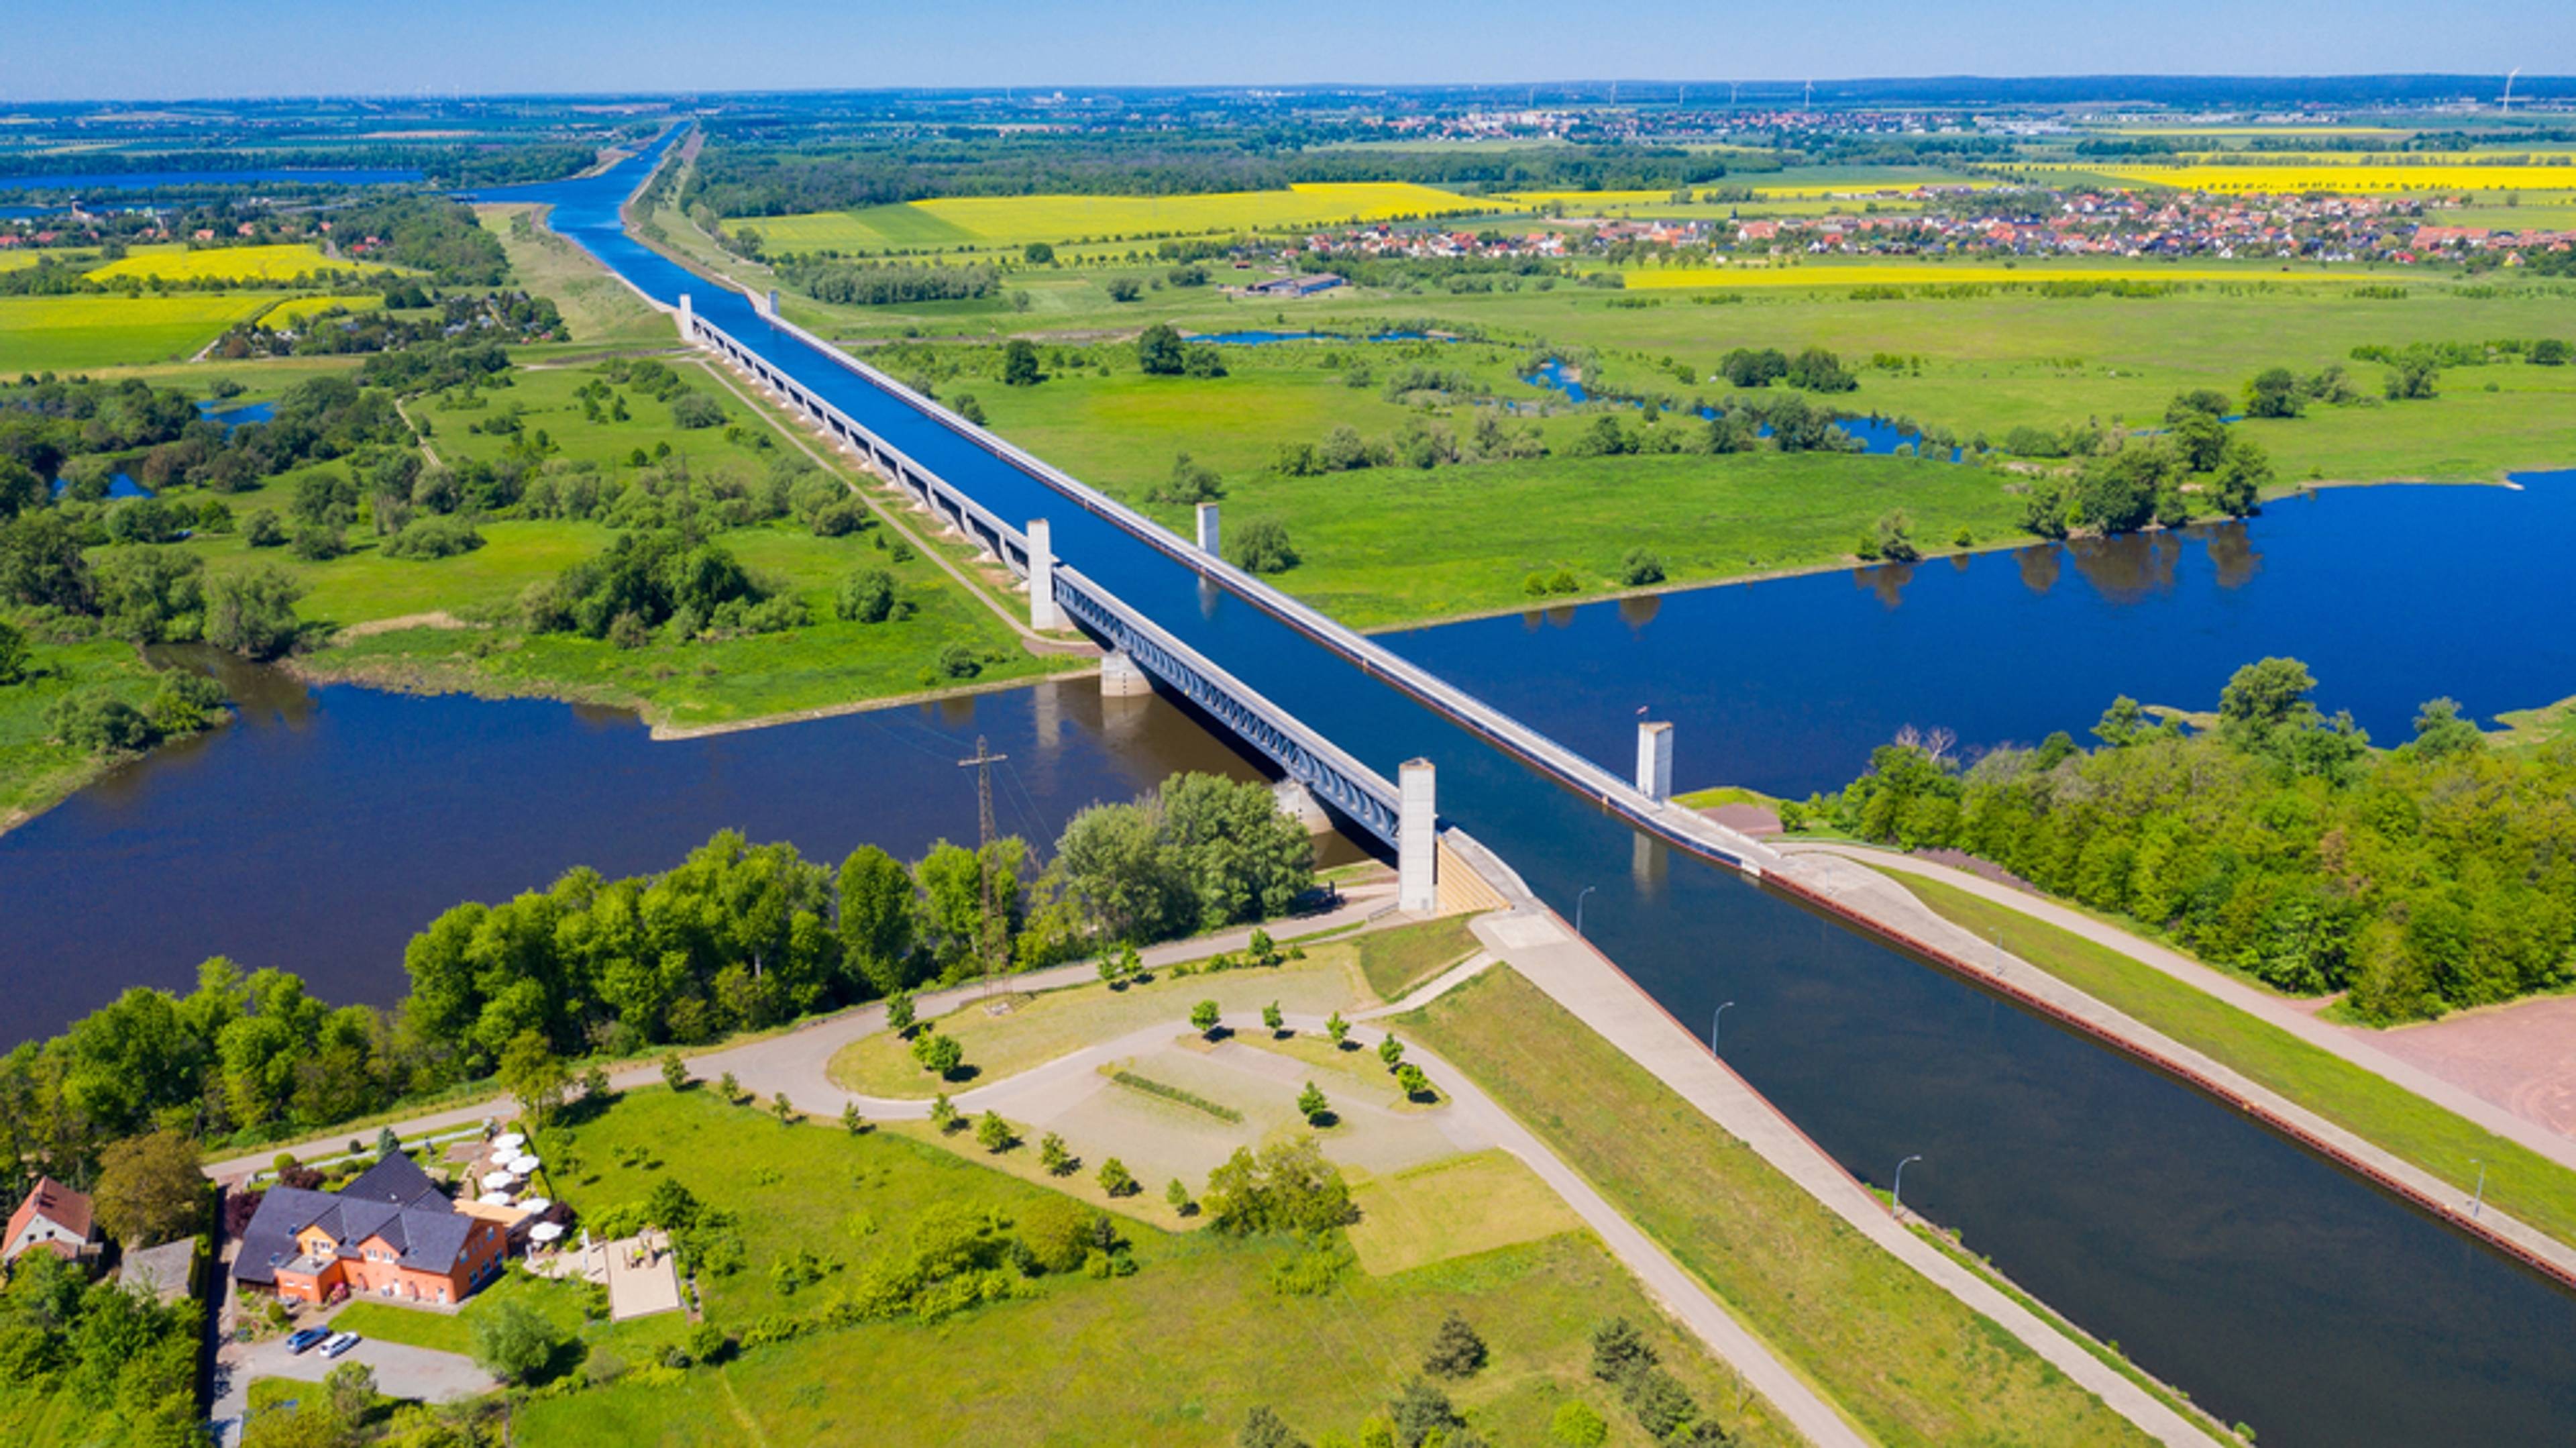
(523, 1165)
(545, 1231)
(494, 1181)
(536, 1204)
(508, 1143)
(494, 1199)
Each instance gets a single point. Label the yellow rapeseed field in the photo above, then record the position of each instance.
(229, 263)
(1009, 221)
(293, 313)
(39, 334)
(1900, 274)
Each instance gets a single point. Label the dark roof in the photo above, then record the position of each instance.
(394, 1200)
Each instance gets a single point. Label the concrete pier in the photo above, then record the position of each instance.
(1298, 803)
(1655, 760)
(1417, 841)
(1207, 528)
(1042, 610)
(1121, 677)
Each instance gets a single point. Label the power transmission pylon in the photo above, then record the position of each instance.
(989, 931)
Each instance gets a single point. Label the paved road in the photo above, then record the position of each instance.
(1854, 884)
(401, 1372)
(1586, 984)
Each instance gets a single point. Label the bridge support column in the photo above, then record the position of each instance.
(1298, 803)
(1417, 840)
(1655, 761)
(1121, 677)
(1042, 610)
(688, 318)
(1207, 528)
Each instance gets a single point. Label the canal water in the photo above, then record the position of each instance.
(2275, 1288)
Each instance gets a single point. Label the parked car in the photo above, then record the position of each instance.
(303, 1338)
(339, 1344)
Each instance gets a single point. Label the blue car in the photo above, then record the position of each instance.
(305, 1338)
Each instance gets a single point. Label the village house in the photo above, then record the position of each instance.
(391, 1234)
(53, 1217)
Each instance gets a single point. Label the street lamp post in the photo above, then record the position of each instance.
(1578, 907)
(1896, 1195)
(2480, 1199)
(1713, 1022)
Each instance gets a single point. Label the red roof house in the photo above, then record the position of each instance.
(53, 1217)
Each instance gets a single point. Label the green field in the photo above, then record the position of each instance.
(2519, 1181)
(561, 1302)
(1909, 1362)
(35, 772)
(62, 333)
(1175, 1355)
(294, 312)
(1017, 220)
(599, 309)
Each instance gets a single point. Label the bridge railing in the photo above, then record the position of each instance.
(1686, 827)
(1360, 793)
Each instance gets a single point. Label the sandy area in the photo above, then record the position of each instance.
(2522, 1056)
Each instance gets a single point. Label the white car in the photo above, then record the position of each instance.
(339, 1344)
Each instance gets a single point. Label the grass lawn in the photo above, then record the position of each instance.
(1176, 1354)
(1036, 1029)
(35, 772)
(596, 306)
(66, 333)
(1454, 1208)
(1910, 1362)
(2519, 1181)
(293, 312)
(1395, 961)
(561, 1302)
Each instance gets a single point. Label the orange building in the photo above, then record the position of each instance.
(389, 1234)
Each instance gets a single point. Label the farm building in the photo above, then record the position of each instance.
(53, 1217)
(1304, 284)
(390, 1234)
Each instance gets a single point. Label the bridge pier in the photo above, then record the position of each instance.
(1417, 840)
(1207, 528)
(1298, 803)
(1655, 760)
(1042, 611)
(688, 320)
(1121, 677)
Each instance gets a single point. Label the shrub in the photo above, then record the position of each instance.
(1289, 1187)
(434, 536)
(262, 529)
(1641, 568)
(695, 410)
(866, 596)
(1456, 1350)
(1262, 546)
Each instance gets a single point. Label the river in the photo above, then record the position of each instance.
(2275, 1288)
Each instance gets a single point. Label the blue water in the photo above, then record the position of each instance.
(164, 180)
(2273, 1287)
(119, 486)
(236, 414)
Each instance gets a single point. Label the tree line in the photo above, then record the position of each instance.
(2437, 875)
(736, 936)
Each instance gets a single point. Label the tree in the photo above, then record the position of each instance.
(1312, 1105)
(1204, 1017)
(1818, 370)
(878, 913)
(1578, 1425)
(695, 410)
(388, 1143)
(675, 1072)
(1456, 1350)
(351, 1391)
(2200, 401)
(1116, 1180)
(1619, 1351)
(2274, 392)
(1179, 1196)
(149, 1188)
(899, 1012)
(1272, 1019)
(533, 1075)
(252, 612)
(2550, 352)
(939, 1053)
(2244, 471)
(1892, 541)
(1421, 1410)
(1020, 364)
(2199, 437)
(1262, 1429)
(13, 653)
(2043, 509)
(2265, 696)
(852, 1121)
(1390, 1050)
(1640, 568)
(729, 1088)
(866, 596)
(1125, 289)
(1055, 1156)
(512, 1340)
(1262, 546)
(993, 1133)
(1410, 1079)
(1038, 253)
(1159, 352)
(943, 1113)
(782, 1108)
(1337, 1028)
(1288, 1187)
(2441, 732)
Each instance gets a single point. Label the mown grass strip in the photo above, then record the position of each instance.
(1911, 1363)
(1152, 1087)
(2519, 1181)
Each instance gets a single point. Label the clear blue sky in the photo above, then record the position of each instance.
(50, 50)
